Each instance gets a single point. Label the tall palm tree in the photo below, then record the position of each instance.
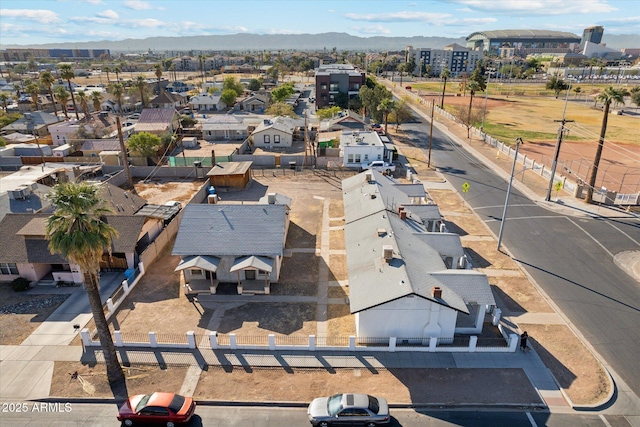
(444, 75)
(386, 106)
(96, 97)
(107, 70)
(117, 70)
(141, 84)
(117, 90)
(201, 59)
(172, 69)
(32, 89)
(473, 86)
(158, 72)
(66, 72)
(63, 97)
(4, 98)
(608, 96)
(47, 80)
(84, 103)
(77, 231)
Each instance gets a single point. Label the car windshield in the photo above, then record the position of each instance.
(334, 404)
(177, 403)
(143, 402)
(374, 406)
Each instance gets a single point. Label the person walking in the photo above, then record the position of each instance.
(523, 341)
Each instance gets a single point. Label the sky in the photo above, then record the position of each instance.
(25, 22)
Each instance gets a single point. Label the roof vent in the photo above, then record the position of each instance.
(381, 232)
(368, 176)
(436, 291)
(271, 198)
(387, 252)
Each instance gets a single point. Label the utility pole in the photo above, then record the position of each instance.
(124, 157)
(556, 152)
(433, 102)
(506, 201)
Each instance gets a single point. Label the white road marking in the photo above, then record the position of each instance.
(531, 420)
(592, 238)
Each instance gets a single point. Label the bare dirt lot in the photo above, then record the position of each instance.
(159, 191)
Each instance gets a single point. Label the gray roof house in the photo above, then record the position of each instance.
(273, 133)
(408, 277)
(32, 123)
(242, 244)
(205, 102)
(224, 127)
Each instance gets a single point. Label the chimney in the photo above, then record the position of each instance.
(387, 252)
(436, 291)
(271, 198)
(213, 157)
(402, 212)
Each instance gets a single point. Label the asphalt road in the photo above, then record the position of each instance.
(104, 415)
(570, 258)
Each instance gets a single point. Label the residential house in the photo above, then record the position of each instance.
(93, 147)
(224, 127)
(240, 244)
(255, 104)
(206, 103)
(332, 79)
(408, 277)
(169, 100)
(158, 121)
(360, 148)
(18, 138)
(74, 132)
(345, 121)
(273, 133)
(33, 123)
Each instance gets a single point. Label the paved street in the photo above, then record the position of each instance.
(569, 253)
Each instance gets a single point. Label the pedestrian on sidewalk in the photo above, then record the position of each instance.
(523, 341)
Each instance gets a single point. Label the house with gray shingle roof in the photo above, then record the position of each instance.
(273, 133)
(158, 121)
(241, 244)
(408, 277)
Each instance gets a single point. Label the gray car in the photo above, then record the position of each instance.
(349, 409)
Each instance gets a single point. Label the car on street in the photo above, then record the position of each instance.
(348, 409)
(380, 166)
(134, 116)
(159, 408)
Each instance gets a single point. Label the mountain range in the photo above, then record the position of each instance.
(312, 42)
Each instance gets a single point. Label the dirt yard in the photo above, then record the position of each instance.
(160, 191)
(22, 312)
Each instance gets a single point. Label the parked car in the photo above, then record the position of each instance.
(349, 409)
(166, 408)
(380, 166)
(134, 116)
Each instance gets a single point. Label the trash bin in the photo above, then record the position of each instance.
(292, 165)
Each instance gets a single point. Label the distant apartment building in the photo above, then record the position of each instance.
(27, 54)
(458, 59)
(333, 79)
(591, 34)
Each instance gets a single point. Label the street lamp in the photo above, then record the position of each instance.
(486, 96)
(506, 201)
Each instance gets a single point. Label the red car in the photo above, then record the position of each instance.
(167, 408)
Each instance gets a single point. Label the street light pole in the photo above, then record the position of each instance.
(433, 102)
(506, 201)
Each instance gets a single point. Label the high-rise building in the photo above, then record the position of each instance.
(591, 34)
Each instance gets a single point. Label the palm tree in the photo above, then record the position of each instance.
(117, 70)
(63, 97)
(77, 231)
(117, 90)
(444, 75)
(84, 103)
(32, 89)
(158, 73)
(201, 59)
(172, 69)
(610, 95)
(47, 80)
(66, 72)
(96, 97)
(473, 86)
(107, 70)
(386, 106)
(4, 98)
(141, 84)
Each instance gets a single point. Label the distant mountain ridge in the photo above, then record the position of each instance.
(341, 41)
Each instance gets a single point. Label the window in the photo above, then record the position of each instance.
(366, 157)
(267, 139)
(276, 139)
(8, 268)
(379, 157)
(196, 272)
(357, 158)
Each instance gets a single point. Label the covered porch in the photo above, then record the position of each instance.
(253, 274)
(199, 272)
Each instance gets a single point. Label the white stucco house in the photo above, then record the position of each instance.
(273, 133)
(358, 148)
(408, 277)
(205, 102)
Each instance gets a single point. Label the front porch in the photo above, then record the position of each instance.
(243, 287)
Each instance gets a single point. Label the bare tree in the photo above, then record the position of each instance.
(469, 117)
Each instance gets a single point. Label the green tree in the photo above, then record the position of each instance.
(96, 98)
(370, 99)
(255, 84)
(4, 98)
(117, 90)
(608, 96)
(281, 93)
(186, 121)
(3, 143)
(107, 70)
(230, 83)
(66, 72)
(158, 72)
(144, 143)
(444, 75)
(386, 106)
(141, 85)
(557, 85)
(328, 112)
(47, 80)
(281, 109)
(410, 66)
(635, 97)
(84, 102)
(8, 118)
(228, 96)
(401, 113)
(117, 70)
(32, 89)
(78, 232)
(473, 86)
(63, 97)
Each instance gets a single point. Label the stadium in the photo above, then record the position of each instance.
(523, 42)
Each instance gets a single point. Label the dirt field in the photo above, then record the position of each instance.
(159, 191)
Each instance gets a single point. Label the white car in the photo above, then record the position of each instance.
(380, 166)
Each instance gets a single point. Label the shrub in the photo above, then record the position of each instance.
(20, 284)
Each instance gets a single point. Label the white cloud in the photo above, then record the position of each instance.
(398, 17)
(144, 23)
(282, 31)
(331, 11)
(110, 14)
(93, 1)
(42, 16)
(138, 5)
(372, 29)
(191, 28)
(539, 7)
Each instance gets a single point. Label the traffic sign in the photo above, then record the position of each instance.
(465, 187)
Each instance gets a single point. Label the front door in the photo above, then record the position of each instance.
(250, 274)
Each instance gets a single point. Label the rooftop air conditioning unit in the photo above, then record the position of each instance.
(387, 252)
